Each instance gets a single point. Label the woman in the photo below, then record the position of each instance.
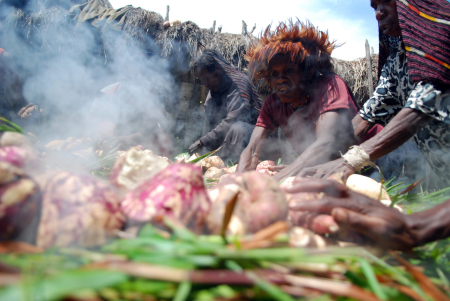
(310, 103)
(412, 97)
(232, 106)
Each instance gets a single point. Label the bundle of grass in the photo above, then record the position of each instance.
(355, 74)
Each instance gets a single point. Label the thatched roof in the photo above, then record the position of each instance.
(178, 44)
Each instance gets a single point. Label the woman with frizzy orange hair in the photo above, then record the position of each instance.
(311, 104)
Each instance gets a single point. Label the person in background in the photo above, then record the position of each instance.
(312, 105)
(413, 93)
(359, 219)
(231, 107)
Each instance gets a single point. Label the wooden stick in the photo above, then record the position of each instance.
(214, 27)
(167, 13)
(244, 28)
(369, 69)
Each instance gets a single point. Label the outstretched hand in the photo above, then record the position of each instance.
(324, 171)
(359, 218)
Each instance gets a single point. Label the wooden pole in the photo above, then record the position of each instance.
(167, 13)
(244, 28)
(369, 69)
(214, 27)
(253, 29)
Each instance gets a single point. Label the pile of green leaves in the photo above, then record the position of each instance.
(183, 266)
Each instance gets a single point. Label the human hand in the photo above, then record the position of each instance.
(338, 166)
(196, 147)
(359, 218)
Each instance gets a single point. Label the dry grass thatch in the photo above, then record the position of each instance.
(355, 75)
(50, 29)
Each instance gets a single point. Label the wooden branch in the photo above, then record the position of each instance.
(253, 29)
(369, 69)
(244, 28)
(167, 13)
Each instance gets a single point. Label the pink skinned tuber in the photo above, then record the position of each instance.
(77, 210)
(177, 192)
(260, 203)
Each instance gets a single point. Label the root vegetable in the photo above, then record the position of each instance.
(9, 173)
(368, 187)
(176, 192)
(214, 173)
(19, 201)
(60, 145)
(287, 182)
(134, 167)
(19, 156)
(230, 170)
(77, 210)
(263, 167)
(14, 139)
(303, 238)
(260, 203)
(213, 161)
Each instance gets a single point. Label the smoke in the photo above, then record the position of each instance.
(64, 65)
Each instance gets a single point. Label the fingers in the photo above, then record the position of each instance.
(318, 206)
(331, 188)
(275, 168)
(373, 227)
(307, 172)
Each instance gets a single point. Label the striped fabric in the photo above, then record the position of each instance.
(425, 28)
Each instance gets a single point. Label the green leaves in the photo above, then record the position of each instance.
(11, 127)
(61, 285)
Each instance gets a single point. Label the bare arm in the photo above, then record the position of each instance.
(401, 128)
(334, 135)
(250, 156)
(361, 127)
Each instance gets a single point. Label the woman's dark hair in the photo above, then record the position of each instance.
(208, 60)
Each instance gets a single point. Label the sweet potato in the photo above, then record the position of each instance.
(260, 202)
(77, 210)
(367, 186)
(207, 163)
(263, 167)
(176, 192)
(134, 167)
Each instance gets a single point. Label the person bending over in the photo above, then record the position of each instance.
(412, 98)
(311, 104)
(232, 107)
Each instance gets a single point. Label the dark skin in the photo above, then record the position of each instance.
(402, 127)
(368, 221)
(213, 81)
(291, 86)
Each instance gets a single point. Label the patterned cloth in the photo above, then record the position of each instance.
(395, 91)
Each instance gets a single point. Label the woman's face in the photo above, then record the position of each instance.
(288, 81)
(212, 80)
(387, 16)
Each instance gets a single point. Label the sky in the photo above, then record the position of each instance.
(347, 21)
